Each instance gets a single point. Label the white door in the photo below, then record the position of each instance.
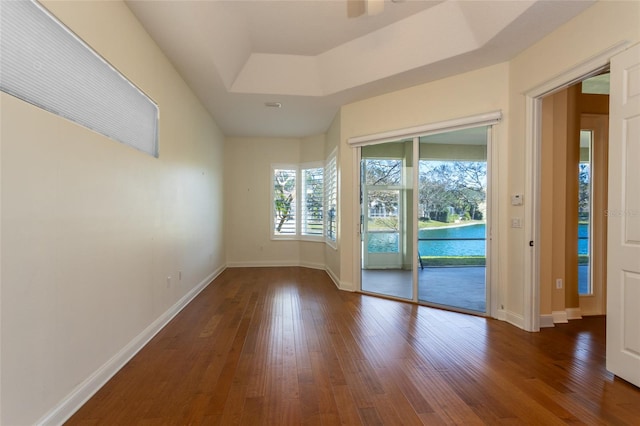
(623, 261)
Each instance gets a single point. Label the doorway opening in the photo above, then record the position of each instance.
(573, 193)
(532, 319)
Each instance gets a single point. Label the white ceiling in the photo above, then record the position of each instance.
(312, 58)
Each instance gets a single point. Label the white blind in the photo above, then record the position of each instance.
(42, 62)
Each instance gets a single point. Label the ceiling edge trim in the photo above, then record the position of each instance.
(485, 119)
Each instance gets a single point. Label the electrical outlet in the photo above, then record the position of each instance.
(515, 222)
(168, 281)
(559, 283)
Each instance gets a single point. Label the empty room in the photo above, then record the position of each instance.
(319, 212)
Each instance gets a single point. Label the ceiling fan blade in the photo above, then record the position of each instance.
(355, 8)
(374, 7)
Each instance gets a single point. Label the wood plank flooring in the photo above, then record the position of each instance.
(283, 346)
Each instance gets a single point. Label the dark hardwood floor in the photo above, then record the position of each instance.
(283, 346)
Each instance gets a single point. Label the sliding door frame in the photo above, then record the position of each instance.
(490, 120)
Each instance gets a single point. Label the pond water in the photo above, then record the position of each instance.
(583, 238)
(458, 247)
(388, 242)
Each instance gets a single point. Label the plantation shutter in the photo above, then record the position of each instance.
(312, 197)
(331, 198)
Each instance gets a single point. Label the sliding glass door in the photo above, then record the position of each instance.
(452, 205)
(428, 245)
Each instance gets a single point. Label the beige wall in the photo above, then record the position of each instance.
(91, 229)
(553, 203)
(248, 202)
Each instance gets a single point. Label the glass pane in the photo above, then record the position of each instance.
(284, 200)
(382, 226)
(584, 213)
(383, 171)
(598, 85)
(386, 211)
(452, 208)
(383, 242)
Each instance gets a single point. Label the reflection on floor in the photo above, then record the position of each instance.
(462, 287)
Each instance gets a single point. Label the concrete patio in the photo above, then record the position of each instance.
(461, 288)
(453, 287)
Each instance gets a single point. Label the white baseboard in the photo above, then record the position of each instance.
(262, 264)
(346, 286)
(279, 264)
(500, 314)
(514, 319)
(546, 321)
(85, 390)
(275, 264)
(333, 276)
(560, 317)
(573, 313)
(312, 265)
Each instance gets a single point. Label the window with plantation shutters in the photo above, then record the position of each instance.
(304, 201)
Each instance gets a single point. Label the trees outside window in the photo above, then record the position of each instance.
(451, 190)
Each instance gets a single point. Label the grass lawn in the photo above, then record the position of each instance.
(391, 223)
(453, 260)
(435, 224)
